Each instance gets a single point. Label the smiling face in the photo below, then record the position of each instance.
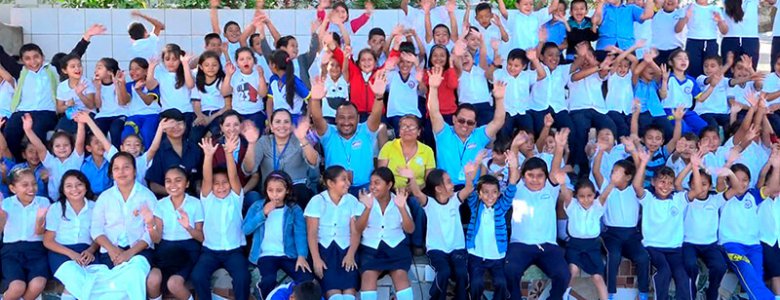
(578, 11)
(441, 36)
(623, 66)
(73, 69)
(281, 124)
(31, 156)
(230, 127)
(101, 72)
(525, 6)
(376, 43)
(24, 186)
(133, 145)
(291, 48)
(653, 139)
(465, 122)
(551, 57)
(379, 187)
(232, 33)
(74, 189)
(439, 57)
(221, 187)
(176, 131)
(340, 185)
(136, 72)
(534, 179)
(514, 67)
(711, 139)
(408, 129)
(488, 193)
(214, 45)
(123, 171)
(62, 147)
(711, 66)
(175, 183)
(680, 62)
(663, 186)
(366, 62)
(346, 120)
(32, 60)
(743, 182)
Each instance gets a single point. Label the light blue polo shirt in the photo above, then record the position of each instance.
(452, 154)
(355, 154)
(617, 26)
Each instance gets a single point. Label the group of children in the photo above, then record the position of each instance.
(657, 185)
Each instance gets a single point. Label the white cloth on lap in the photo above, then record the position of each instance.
(125, 281)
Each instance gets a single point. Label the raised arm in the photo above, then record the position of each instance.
(378, 87)
(598, 15)
(155, 145)
(695, 165)
(151, 82)
(639, 179)
(679, 112)
(157, 25)
(561, 143)
(214, 16)
(502, 10)
(649, 10)
(27, 125)
(495, 125)
(208, 160)
(230, 146)
(434, 81)
(83, 117)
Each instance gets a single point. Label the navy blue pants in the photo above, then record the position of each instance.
(745, 45)
(562, 119)
(477, 268)
(233, 261)
(669, 263)
(775, 51)
(583, 121)
(176, 258)
(417, 238)
(270, 265)
(448, 266)
(697, 51)
(517, 122)
(485, 113)
(646, 119)
(112, 127)
(626, 242)
(23, 261)
(43, 121)
(198, 132)
(144, 126)
(715, 120)
(713, 258)
(56, 260)
(548, 257)
(622, 123)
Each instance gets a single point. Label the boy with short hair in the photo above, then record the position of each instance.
(524, 24)
(145, 44)
(615, 20)
(488, 24)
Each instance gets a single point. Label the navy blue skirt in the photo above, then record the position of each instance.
(335, 277)
(385, 258)
(771, 261)
(586, 255)
(176, 257)
(24, 261)
(56, 260)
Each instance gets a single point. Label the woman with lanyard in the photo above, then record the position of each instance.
(285, 148)
(230, 127)
(409, 159)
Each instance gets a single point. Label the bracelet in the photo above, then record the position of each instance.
(303, 145)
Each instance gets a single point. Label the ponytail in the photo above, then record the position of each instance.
(283, 62)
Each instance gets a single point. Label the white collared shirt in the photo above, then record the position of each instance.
(584, 223)
(620, 93)
(119, 220)
(748, 27)
(57, 168)
(587, 94)
(222, 221)
(402, 97)
(445, 233)
(702, 25)
(534, 219)
(473, 87)
(664, 218)
(384, 227)
(738, 221)
(147, 48)
(665, 36)
(518, 90)
(524, 29)
(549, 92)
(65, 93)
(21, 220)
(701, 220)
(72, 228)
(333, 218)
(170, 96)
(172, 230)
(273, 237)
(769, 216)
(485, 245)
(622, 207)
(109, 103)
(37, 91)
(211, 98)
(717, 102)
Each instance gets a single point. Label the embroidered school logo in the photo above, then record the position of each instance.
(674, 211)
(748, 204)
(471, 146)
(688, 89)
(412, 84)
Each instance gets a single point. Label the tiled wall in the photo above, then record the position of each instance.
(58, 29)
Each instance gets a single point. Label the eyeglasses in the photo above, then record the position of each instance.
(408, 128)
(467, 122)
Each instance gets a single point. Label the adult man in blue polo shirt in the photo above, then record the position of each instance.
(348, 143)
(615, 21)
(459, 144)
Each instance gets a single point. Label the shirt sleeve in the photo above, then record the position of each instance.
(314, 208)
(430, 160)
(97, 227)
(63, 91)
(50, 160)
(90, 87)
(636, 13)
(197, 215)
(53, 217)
(300, 88)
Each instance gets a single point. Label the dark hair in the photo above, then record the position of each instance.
(279, 111)
(376, 31)
(136, 30)
(336, 38)
(733, 9)
(663, 171)
(229, 113)
(534, 163)
(366, 51)
(13, 178)
(245, 49)
(111, 64)
(741, 168)
(407, 47)
(81, 177)
(413, 118)
(703, 174)
(307, 290)
(487, 180)
(446, 60)
(655, 127)
(482, 6)
(331, 173)
(284, 41)
(178, 169)
(283, 177)
(63, 62)
(228, 24)
(629, 169)
(211, 36)
(386, 175)
(518, 54)
(62, 134)
(501, 144)
(30, 47)
(548, 45)
(714, 57)
(441, 26)
(434, 179)
(252, 38)
(346, 104)
(282, 62)
(176, 51)
(471, 28)
(342, 5)
(120, 154)
(579, 1)
(674, 55)
(714, 129)
(690, 136)
(140, 61)
(134, 135)
(56, 62)
(465, 106)
(584, 183)
(200, 76)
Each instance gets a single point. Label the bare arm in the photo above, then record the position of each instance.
(492, 128)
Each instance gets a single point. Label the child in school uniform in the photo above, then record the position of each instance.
(583, 248)
(231, 31)
(301, 61)
(336, 84)
(341, 12)
(615, 21)
(534, 226)
(384, 223)
(488, 24)
(95, 166)
(649, 87)
(620, 88)
(143, 43)
(25, 267)
(701, 228)
(271, 250)
(224, 241)
(738, 234)
(403, 88)
(769, 232)
(111, 109)
(681, 91)
(486, 235)
(143, 109)
(519, 82)
(67, 234)
(704, 23)
(208, 101)
(746, 81)
(741, 18)
(547, 96)
(667, 30)
(715, 108)
(653, 141)
(556, 26)
(178, 233)
(524, 24)
(442, 34)
(771, 89)
(286, 90)
(122, 220)
(497, 164)
(579, 28)
(175, 81)
(445, 242)
(246, 83)
(686, 147)
(65, 154)
(7, 85)
(473, 84)
(332, 235)
(74, 94)
(663, 212)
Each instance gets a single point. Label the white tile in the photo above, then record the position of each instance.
(185, 42)
(120, 19)
(303, 21)
(49, 43)
(22, 17)
(198, 44)
(201, 24)
(89, 68)
(27, 38)
(102, 17)
(45, 21)
(249, 15)
(285, 21)
(66, 43)
(71, 21)
(177, 22)
(100, 46)
(227, 15)
(121, 47)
